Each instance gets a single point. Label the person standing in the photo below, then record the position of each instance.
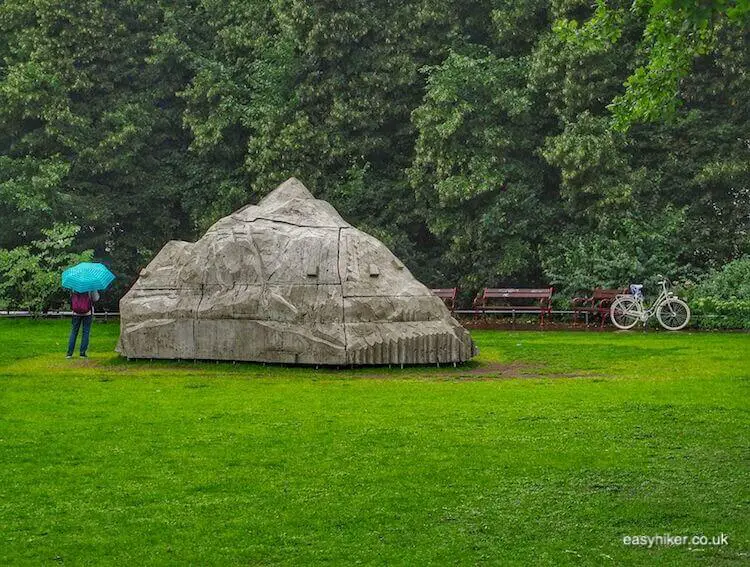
(83, 315)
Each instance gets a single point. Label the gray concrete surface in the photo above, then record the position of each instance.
(287, 281)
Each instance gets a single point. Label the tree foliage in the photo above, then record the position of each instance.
(513, 142)
(675, 34)
(30, 275)
(90, 132)
(721, 300)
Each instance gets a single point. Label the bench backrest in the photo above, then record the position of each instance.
(448, 295)
(445, 292)
(602, 293)
(517, 293)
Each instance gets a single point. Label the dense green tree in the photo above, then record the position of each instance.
(479, 140)
(683, 181)
(324, 93)
(721, 300)
(476, 171)
(90, 132)
(675, 34)
(487, 194)
(30, 274)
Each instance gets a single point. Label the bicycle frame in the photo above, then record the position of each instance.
(644, 314)
(673, 313)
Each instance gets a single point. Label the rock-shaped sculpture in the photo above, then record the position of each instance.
(287, 281)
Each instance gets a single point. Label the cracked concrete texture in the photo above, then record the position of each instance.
(287, 280)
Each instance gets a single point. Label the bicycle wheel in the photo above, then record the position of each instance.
(673, 314)
(625, 312)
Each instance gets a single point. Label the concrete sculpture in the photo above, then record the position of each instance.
(287, 281)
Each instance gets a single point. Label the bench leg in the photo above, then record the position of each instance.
(576, 317)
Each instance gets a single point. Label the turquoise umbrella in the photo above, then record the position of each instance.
(87, 276)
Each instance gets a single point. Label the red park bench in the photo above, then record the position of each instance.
(597, 304)
(515, 300)
(448, 295)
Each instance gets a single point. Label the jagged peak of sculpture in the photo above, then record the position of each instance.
(292, 188)
(292, 202)
(287, 280)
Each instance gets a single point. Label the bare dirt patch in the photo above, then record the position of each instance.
(475, 373)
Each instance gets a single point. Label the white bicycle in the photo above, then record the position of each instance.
(671, 312)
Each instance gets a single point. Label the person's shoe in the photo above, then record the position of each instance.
(84, 355)
(68, 356)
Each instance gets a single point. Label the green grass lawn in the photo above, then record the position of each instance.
(546, 450)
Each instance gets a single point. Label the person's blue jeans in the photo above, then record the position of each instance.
(77, 320)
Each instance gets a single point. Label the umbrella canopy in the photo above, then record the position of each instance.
(87, 276)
